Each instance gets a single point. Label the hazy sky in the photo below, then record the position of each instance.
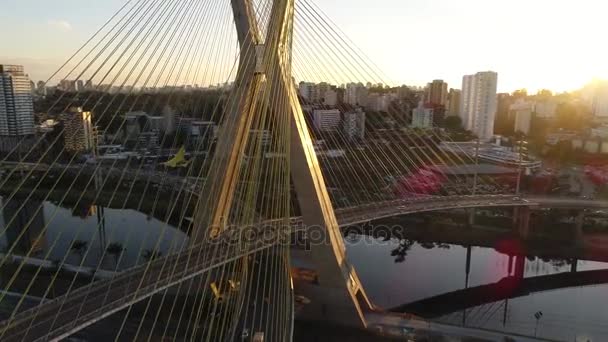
(555, 44)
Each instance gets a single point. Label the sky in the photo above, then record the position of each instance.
(534, 44)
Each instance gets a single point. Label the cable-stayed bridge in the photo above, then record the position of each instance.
(275, 161)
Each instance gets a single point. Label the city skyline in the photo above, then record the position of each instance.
(453, 46)
(241, 170)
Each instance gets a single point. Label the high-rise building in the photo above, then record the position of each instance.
(356, 94)
(600, 99)
(327, 119)
(307, 90)
(453, 108)
(380, 102)
(41, 88)
(79, 133)
(354, 124)
(546, 109)
(522, 110)
(331, 98)
(323, 93)
(16, 106)
(437, 93)
(321, 90)
(67, 86)
(478, 103)
(422, 116)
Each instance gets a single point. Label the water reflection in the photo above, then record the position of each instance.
(85, 234)
(486, 289)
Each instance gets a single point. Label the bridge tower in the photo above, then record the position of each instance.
(338, 297)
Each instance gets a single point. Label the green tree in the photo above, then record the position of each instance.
(78, 247)
(115, 249)
(520, 93)
(453, 123)
(151, 254)
(568, 117)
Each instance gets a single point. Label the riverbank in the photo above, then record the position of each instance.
(593, 247)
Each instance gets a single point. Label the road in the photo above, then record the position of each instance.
(404, 326)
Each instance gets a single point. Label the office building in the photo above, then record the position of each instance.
(354, 124)
(380, 102)
(453, 108)
(323, 93)
(546, 109)
(148, 141)
(326, 120)
(41, 88)
(437, 93)
(422, 116)
(16, 106)
(79, 133)
(478, 103)
(307, 91)
(356, 94)
(331, 98)
(67, 86)
(201, 135)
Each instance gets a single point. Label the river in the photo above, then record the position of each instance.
(391, 279)
(53, 229)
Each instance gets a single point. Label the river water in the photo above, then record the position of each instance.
(394, 272)
(568, 314)
(52, 230)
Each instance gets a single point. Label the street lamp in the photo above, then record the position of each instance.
(538, 315)
(522, 149)
(476, 167)
(475, 175)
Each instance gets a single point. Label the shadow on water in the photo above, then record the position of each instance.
(480, 287)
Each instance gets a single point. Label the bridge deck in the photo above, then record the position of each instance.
(82, 307)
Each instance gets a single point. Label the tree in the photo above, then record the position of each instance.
(401, 251)
(521, 93)
(78, 247)
(116, 250)
(151, 254)
(453, 123)
(568, 117)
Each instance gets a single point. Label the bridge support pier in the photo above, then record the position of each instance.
(574, 265)
(520, 266)
(521, 222)
(578, 227)
(472, 217)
